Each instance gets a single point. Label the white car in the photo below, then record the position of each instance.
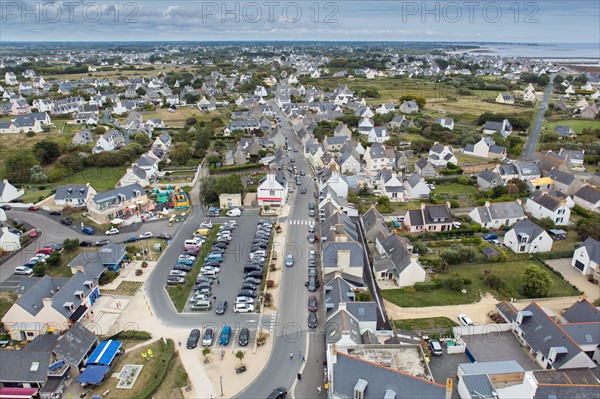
(465, 320)
(146, 235)
(243, 299)
(206, 225)
(210, 269)
(112, 231)
(178, 273)
(243, 308)
(234, 212)
(23, 270)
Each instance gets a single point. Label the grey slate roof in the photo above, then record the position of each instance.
(526, 226)
(545, 199)
(330, 251)
(342, 323)
(348, 370)
(582, 311)
(363, 311)
(371, 218)
(42, 343)
(377, 150)
(74, 191)
(479, 383)
(75, 344)
(32, 300)
(583, 333)
(128, 191)
(67, 293)
(589, 194)
(339, 218)
(414, 179)
(488, 175)
(500, 210)
(541, 333)
(561, 177)
(16, 366)
(396, 251)
(337, 291)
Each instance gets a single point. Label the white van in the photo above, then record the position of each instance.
(193, 242)
(234, 212)
(202, 305)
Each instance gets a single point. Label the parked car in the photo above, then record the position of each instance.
(207, 338)
(221, 307)
(112, 231)
(225, 335)
(436, 347)
(174, 280)
(207, 224)
(244, 337)
(164, 236)
(312, 238)
(18, 222)
(312, 284)
(249, 293)
(102, 242)
(6, 207)
(85, 243)
(179, 273)
(66, 221)
(23, 270)
(249, 286)
(303, 191)
(244, 299)
(33, 233)
(312, 320)
(289, 260)
(312, 303)
(490, 236)
(88, 230)
(193, 339)
(131, 239)
(33, 208)
(54, 213)
(465, 320)
(243, 308)
(146, 235)
(234, 212)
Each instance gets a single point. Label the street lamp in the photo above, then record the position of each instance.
(221, 380)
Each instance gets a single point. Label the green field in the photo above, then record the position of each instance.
(101, 179)
(577, 124)
(425, 323)
(455, 189)
(509, 272)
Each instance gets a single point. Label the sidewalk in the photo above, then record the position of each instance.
(313, 371)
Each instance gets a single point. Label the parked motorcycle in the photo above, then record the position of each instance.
(240, 369)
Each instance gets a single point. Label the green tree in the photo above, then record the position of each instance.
(536, 282)
(70, 245)
(205, 353)
(38, 175)
(421, 101)
(240, 355)
(181, 153)
(142, 139)
(54, 259)
(19, 166)
(46, 151)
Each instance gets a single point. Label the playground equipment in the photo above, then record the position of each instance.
(174, 197)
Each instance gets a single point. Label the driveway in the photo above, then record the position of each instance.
(574, 277)
(495, 347)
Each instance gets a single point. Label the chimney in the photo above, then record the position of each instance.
(339, 228)
(423, 205)
(343, 258)
(448, 388)
(488, 203)
(47, 302)
(519, 201)
(448, 204)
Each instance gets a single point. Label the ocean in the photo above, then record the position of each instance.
(590, 51)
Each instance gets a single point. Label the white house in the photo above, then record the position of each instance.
(8, 192)
(529, 93)
(447, 123)
(108, 142)
(494, 215)
(416, 188)
(586, 257)
(365, 126)
(409, 107)
(348, 163)
(505, 98)
(385, 109)
(73, 195)
(485, 148)
(10, 78)
(527, 237)
(390, 185)
(9, 241)
(588, 197)
(396, 263)
(542, 205)
(378, 135)
(504, 128)
(335, 180)
(272, 189)
(441, 155)
(378, 157)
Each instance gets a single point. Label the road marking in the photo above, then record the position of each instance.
(300, 222)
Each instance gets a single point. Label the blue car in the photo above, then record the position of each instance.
(88, 230)
(182, 261)
(131, 239)
(490, 236)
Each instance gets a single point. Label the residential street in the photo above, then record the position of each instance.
(536, 128)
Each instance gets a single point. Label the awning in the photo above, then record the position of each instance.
(78, 313)
(557, 231)
(18, 393)
(93, 374)
(105, 352)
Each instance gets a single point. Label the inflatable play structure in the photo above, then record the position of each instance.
(174, 197)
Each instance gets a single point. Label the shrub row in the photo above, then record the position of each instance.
(164, 365)
(133, 335)
(236, 167)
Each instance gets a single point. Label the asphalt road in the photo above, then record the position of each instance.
(536, 129)
(54, 232)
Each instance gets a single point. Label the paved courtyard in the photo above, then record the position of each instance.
(499, 346)
(573, 276)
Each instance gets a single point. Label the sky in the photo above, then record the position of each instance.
(542, 21)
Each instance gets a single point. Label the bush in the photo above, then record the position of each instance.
(132, 335)
(139, 272)
(144, 265)
(162, 369)
(107, 277)
(454, 282)
(493, 280)
(270, 283)
(425, 286)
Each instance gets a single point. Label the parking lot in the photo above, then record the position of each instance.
(498, 346)
(231, 275)
(445, 366)
(233, 343)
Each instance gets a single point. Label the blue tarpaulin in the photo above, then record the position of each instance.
(93, 374)
(105, 352)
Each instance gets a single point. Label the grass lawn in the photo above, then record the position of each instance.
(425, 324)
(509, 272)
(127, 288)
(179, 294)
(176, 379)
(152, 373)
(101, 179)
(468, 107)
(455, 189)
(577, 124)
(177, 118)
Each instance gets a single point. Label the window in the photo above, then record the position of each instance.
(522, 248)
(272, 193)
(29, 334)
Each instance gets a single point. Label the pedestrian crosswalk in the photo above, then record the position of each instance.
(301, 222)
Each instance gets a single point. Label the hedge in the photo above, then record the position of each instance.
(160, 373)
(133, 335)
(566, 253)
(236, 167)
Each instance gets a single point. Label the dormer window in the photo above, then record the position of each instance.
(79, 294)
(359, 389)
(69, 305)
